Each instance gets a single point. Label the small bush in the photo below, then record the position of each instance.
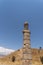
(41, 58)
(13, 58)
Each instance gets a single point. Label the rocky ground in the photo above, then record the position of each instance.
(36, 54)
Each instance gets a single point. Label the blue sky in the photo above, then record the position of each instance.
(13, 14)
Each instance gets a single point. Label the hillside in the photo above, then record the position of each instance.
(36, 57)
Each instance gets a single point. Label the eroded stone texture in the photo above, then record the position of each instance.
(27, 57)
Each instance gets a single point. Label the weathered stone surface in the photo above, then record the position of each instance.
(27, 55)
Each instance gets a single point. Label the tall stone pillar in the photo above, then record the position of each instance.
(26, 58)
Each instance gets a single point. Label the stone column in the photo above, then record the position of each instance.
(26, 60)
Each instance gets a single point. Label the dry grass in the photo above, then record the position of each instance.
(18, 54)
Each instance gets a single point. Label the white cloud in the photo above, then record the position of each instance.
(5, 51)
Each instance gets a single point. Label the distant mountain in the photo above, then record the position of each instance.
(1, 55)
(5, 51)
